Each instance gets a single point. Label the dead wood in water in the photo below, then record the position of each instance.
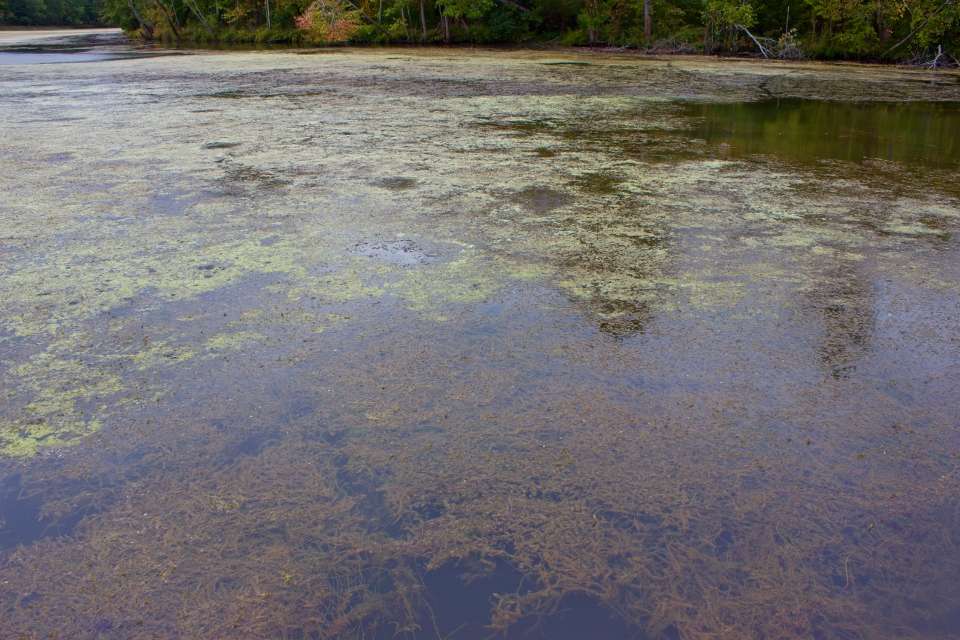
(763, 49)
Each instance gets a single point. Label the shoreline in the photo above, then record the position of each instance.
(13, 35)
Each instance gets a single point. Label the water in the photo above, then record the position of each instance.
(427, 343)
(915, 134)
(52, 47)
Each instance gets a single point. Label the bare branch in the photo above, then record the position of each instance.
(910, 35)
(511, 3)
(755, 41)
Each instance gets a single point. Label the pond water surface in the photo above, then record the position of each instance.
(449, 343)
(68, 46)
(917, 134)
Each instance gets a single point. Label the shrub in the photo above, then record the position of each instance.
(328, 21)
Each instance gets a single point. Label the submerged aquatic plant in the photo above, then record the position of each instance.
(363, 373)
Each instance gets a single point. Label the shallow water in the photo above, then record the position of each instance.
(917, 134)
(53, 47)
(446, 343)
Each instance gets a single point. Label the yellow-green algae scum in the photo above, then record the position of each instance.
(396, 344)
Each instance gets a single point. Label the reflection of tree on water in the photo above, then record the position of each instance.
(809, 132)
(616, 265)
(611, 251)
(630, 319)
(844, 301)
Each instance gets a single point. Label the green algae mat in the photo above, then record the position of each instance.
(476, 344)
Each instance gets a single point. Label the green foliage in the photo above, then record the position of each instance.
(864, 29)
(845, 26)
(50, 12)
(464, 8)
(723, 21)
(935, 21)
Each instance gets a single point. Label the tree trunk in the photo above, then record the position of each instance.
(266, 4)
(647, 21)
(192, 5)
(171, 19)
(146, 28)
(423, 23)
(446, 30)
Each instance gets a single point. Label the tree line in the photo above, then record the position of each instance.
(51, 12)
(921, 30)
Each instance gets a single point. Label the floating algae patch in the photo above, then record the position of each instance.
(470, 278)
(161, 354)
(83, 287)
(70, 394)
(919, 229)
(238, 175)
(713, 397)
(545, 152)
(66, 393)
(57, 391)
(599, 183)
(84, 283)
(396, 183)
(234, 341)
(22, 440)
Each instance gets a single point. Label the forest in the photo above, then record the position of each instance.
(68, 13)
(919, 31)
